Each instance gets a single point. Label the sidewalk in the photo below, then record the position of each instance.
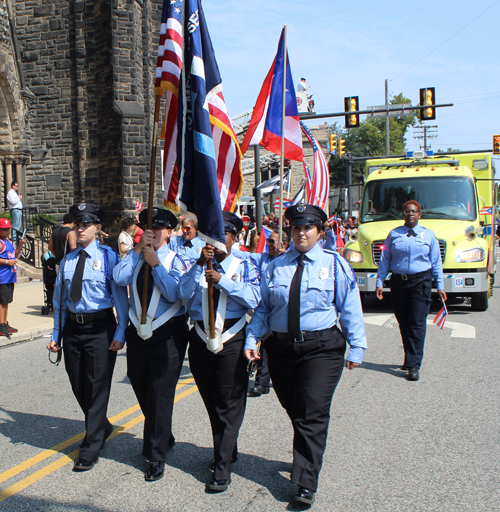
(25, 313)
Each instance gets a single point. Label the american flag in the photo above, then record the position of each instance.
(168, 78)
(138, 206)
(486, 210)
(441, 317)
(318, 187)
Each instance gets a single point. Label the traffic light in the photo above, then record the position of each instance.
(341, 150)
(351, 104)
(332, 143)
(496, 144)
(427, 97)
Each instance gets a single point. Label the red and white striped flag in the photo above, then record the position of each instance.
(441, 317)
(318, 187)
(138, 206)
(168, 75)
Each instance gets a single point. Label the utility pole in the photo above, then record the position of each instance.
(425, 132)
(387, 135)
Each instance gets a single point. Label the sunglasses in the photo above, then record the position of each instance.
(406, 212)
(187, 229)
(270, 241)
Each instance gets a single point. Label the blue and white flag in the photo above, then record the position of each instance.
(198, 184)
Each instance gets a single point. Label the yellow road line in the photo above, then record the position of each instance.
(59, 463)
(72, 440)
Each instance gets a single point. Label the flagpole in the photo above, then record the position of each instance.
(152, 173)
(282, 160)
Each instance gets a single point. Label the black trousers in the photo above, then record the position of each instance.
(304, 377)
(153, 367)
(262, 377)
(411, 301)
(90, 364)
(222, 379)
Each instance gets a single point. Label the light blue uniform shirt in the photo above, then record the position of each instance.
(99, 289)
(243, 291)
(166, 281)
(328, 287)
(260, 259)
(404, 254)
(188, 255)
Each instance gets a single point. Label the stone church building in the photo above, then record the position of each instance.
(77, 102)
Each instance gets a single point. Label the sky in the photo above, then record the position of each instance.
(351, 48)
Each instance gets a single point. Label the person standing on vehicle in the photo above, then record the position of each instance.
(303, 293)
(155, 356)
(411, 253)
(89, 329)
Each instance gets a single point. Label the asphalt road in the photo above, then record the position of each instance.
(393, 445)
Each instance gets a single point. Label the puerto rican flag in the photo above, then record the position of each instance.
(486, 210)
(441, 317)
(264, 235)
(286, 204)
(266, 124)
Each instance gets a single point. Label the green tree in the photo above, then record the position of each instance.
(369, 140)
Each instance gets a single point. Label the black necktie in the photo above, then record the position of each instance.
(188, 244)
(294, 300)
(76, 284)
(411, 233)
(140, 283)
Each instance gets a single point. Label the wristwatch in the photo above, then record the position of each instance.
(157, 265)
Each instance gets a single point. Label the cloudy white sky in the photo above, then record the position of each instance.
(350, 48)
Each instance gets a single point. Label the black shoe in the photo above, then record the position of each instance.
(257, 390)
(10, 329)
(155, 471)
(305, 495)
(212, 465)
(405, 368)
(413, 374)
(4, 331)
(218, 485)
(84, 464)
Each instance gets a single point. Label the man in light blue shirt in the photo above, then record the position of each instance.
(188, 246)
(90, 332)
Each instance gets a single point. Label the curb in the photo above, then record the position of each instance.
(25, 336)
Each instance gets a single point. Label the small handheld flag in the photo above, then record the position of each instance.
(441, 317)
(486, 210)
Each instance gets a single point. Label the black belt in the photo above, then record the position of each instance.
(227, 324)
(411, 277)
(305, 335)
(85, 318)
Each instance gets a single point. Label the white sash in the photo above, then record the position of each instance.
(145, 331)
(216, 344)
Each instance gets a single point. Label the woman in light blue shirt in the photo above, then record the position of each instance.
(411, 253)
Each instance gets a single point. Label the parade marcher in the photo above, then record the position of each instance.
(8, 275)
(90, 333)
(303, 293)
(188, 246)
(411, 253)
(219, 366)
(63, 239)
(330, 240)
(262, 378)
(155, 355)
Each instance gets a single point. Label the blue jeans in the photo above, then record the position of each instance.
(16, 216)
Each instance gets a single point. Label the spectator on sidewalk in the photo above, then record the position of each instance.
(126, 237)
(8, 274)
(15, 206)
(63, 239)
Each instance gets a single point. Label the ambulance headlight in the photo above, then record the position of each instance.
(470, 255)
(353, 256)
